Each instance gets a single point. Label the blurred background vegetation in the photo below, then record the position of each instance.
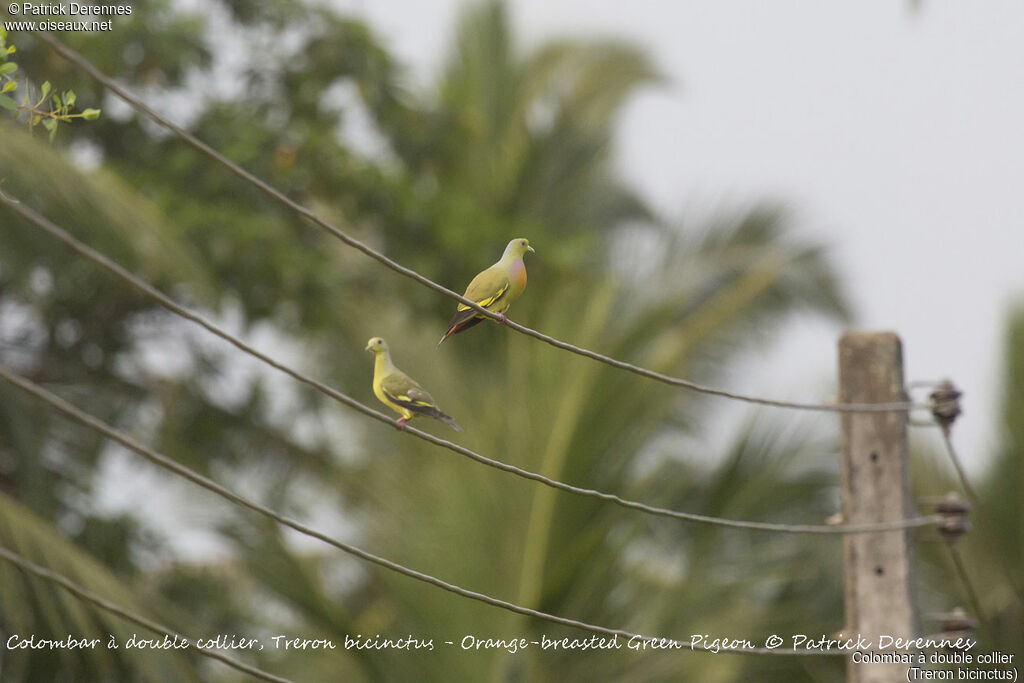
(507, 142)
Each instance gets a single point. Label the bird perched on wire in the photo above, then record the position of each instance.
(494, 289)
(398, 391)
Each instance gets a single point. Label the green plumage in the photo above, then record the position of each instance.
(494, 289)
(398, 391)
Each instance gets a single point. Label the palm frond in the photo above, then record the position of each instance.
(33, 606)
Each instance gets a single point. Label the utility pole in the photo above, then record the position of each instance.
(876, 488)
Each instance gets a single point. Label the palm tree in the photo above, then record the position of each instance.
(507, 144)
(525, 150)
(63, 327)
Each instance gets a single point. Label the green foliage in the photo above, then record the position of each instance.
(76, 323)
(34, 606)
(45, 108)
(991, 550)
(507, 142)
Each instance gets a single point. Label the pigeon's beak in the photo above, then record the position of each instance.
(531, 249)
(369, 347)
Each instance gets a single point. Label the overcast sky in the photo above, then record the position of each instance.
(895, 136)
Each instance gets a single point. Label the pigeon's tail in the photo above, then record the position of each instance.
(448, 421)
(463, 320)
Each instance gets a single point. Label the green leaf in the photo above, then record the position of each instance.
(11, 50)
(91, 114)
(69, 98)
(45, 88)
(56, 101)
(8, 68)
(39, 541)
(49, 124)
(7, 103)
(9, 86)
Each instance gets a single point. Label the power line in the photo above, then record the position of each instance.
(90, 597)
(176, 468)
(965, 581)
(988, 527)
(164, 300)
(958, 466)
(280, 197)
(945, 408)
(895, 406)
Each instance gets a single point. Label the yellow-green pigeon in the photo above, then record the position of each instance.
(398, 391)
(494, 289)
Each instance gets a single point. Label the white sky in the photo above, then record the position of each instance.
(895, 136)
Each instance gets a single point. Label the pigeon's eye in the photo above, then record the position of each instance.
(523, 243)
